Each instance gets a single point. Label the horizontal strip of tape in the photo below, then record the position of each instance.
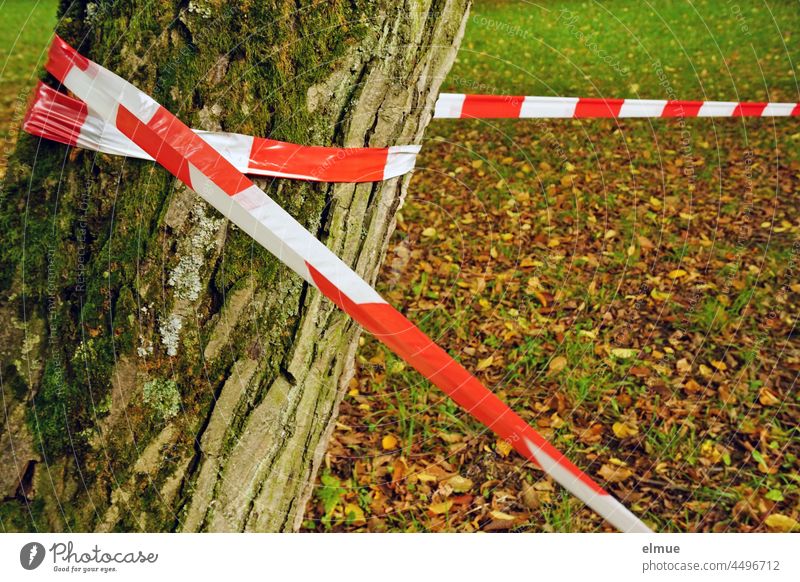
(59, 117)
(456, 105)
(203, 169)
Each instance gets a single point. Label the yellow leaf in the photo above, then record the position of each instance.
(614, 473)
(440, 508)
(610, 234)
(354, 514)
(782, 523)
(659, 295)
(477, 163)
(677, 273)
(504, 448)
(485, 363)
(624, 429)
(767, 398)
(624, 353)
(460, 484)
(558, 363)
(719, 365)
(655, 202)
(501, 516)
(709, 450)
(389, 442)
(429, 232)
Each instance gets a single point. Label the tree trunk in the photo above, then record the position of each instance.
(160, 371)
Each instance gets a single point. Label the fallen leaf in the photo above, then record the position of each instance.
(451, 437)
(502, 516)
(625, 429)
(429, 232)
(530, 497)
(557, 364)
(485, 363)
(389, 442)
(659, 295)
(460, 484)
(767, 398)
(692, 386)
(624, 353)
(354, 514)
(710, 451)
(719, 365)
(782, 523)
(440, 508)
(504, 448)
(677, 273)
(614, 474)
(427, 477)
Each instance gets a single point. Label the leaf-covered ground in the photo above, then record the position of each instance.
(631, 288)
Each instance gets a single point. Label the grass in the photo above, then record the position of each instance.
(567, 239)
(555, 243)
(24, 36)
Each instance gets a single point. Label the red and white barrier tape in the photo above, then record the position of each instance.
(203, 169)
(452, 105)
(61, 118)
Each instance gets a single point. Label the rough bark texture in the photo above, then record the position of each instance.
(109, 267)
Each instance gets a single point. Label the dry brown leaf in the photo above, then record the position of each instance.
(614, 474)
(557, 364)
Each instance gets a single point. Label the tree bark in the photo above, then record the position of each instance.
(160, 371)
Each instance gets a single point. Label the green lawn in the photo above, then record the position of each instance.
(24, 37)
(630, 288)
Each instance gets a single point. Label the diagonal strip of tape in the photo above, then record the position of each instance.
(173, 145)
